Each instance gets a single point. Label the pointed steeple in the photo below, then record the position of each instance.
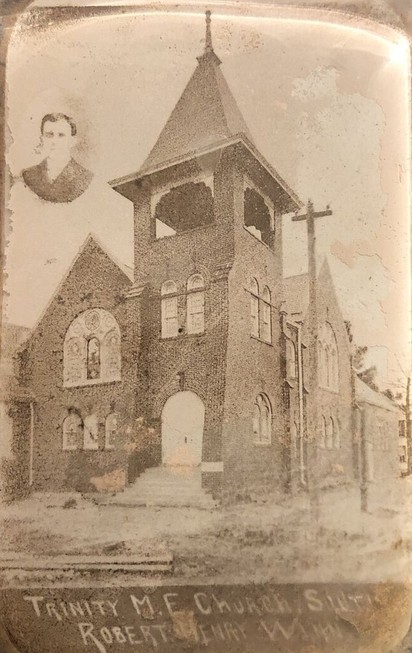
(205, 114)
(209, 54)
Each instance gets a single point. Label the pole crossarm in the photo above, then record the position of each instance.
(317, 214)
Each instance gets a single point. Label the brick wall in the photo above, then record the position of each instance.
(253, 367)
(94, 281)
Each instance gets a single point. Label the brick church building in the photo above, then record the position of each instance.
(198, 357)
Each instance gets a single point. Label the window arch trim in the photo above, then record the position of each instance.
(328, 358)
(72, 431)
(93, 325)
(262, 420)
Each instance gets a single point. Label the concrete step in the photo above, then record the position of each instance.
(168, 487)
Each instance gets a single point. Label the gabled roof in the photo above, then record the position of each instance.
(296, 290)
(296, 295)
(91, 241)
(365, 394)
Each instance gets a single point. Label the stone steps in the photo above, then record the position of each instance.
(167, 487)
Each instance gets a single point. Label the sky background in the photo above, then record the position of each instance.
(326, 105)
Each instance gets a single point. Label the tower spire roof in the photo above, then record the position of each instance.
(205, 114)
(209, 53)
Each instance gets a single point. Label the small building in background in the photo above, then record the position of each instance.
(377, 419)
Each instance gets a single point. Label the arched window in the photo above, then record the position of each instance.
(291, 362)
(262, 420)
(169, 309)
(111, 353)
(336, 434)
(266, 326)
(110, 432)
(254, 307)
(328, 364)
(91, 432)
(323, 433)
(260, 312)
(195, 304)
(72, 431)
(93, 358)
(92, 349)
(330, 429)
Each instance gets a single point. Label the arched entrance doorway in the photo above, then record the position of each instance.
(183, 417)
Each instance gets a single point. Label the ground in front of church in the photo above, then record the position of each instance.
(269, 542)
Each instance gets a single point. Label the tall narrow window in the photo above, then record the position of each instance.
(254, 307)
(330, 428)
(72, 430)
(328, 358)
(291, 362)
(195, 304)
(262, 420)
(336, 434)
(323, 433)
(91, 432)
(110, 435)
(111, 359)
(169, 310)
(93, 358)
(266, 313)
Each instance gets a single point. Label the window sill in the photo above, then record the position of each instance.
(86, 384)
(182, 336)
(258, 239)
(265, 342)
(202, 227)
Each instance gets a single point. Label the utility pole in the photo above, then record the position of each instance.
(408, 424)
(312, 321)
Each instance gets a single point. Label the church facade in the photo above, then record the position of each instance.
(199, 356)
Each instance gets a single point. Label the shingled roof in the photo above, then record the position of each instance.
(205, 114)
(206, 118)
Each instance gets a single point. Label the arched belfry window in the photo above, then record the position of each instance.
(92, 349)
(328, 362)
(184, 207)
(257, 216)
(195, 304)
(169, 309)
(262, 420)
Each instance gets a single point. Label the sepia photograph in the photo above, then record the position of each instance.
(205, 378)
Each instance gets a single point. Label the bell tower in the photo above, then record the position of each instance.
(207, 220)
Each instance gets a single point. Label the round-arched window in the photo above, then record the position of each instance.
(92, 349)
